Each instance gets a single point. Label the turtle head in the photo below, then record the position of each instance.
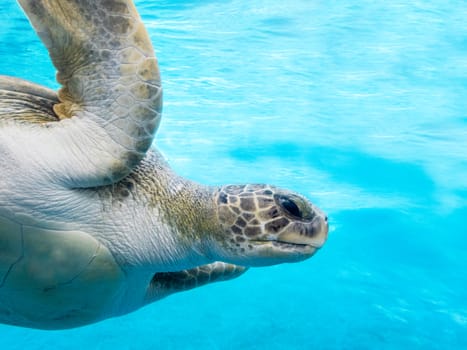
(264, 225)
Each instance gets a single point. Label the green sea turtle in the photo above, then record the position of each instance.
(94, 223)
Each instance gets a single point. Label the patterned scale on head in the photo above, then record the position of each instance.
(266, 221)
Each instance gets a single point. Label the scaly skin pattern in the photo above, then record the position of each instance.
(93, 223)
(111, 95)
(164, 283)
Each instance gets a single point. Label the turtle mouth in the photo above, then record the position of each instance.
(303, 238)
(292, 244)
(312, 234)
(285, 244)
(281, 251)
(292, 239)
(296, 242)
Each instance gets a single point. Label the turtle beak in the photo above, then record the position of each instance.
(312, 233)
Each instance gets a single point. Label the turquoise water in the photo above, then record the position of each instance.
(360, 105)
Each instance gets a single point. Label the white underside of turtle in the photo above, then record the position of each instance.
(93, 223)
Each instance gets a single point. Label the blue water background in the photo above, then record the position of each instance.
(360, 105)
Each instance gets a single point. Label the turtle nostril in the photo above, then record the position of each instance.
(326, 218)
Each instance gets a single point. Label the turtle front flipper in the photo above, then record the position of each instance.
(111, 87)
(166, 283)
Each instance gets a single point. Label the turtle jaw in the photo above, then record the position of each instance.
(296, 242)
(312, 233)
(277, 252)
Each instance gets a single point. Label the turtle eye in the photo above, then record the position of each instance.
(289, 206)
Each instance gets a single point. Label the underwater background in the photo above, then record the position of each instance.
(361, 106)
